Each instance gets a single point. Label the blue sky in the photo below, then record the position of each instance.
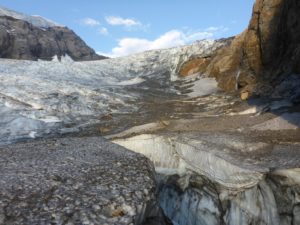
(122, 27)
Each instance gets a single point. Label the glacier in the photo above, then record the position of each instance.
(39, 98)
(216, 160)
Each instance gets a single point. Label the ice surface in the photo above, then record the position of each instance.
(47, 95)
(136, 80)
(204, 86)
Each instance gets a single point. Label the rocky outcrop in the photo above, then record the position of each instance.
(198, 63)
(38, 39)
(264, 54)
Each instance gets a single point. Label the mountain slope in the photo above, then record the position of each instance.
(33, 37)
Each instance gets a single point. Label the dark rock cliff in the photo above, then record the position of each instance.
(264, 55)
(20, 39)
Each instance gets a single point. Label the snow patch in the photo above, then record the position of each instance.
(37, 21)
(63, 59)
(204, 86)
(55, 58)
(136, 80)
(32, 134)
(50, 119)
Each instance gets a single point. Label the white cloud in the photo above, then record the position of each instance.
(89, 22)
(119, 21)
(220, 29)
(127, 46)
(103, 31)
(171, 38)
(191, 37)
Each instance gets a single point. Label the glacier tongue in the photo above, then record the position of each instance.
(79, 93)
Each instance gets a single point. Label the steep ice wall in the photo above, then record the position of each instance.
(215, 178)
(194, 199)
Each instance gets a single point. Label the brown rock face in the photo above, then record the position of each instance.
(264, 53)
(198, 65)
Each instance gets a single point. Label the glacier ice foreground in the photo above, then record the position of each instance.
(218, 160)
(75, 181)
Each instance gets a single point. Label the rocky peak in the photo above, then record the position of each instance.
(35, 20)
(33, 38)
